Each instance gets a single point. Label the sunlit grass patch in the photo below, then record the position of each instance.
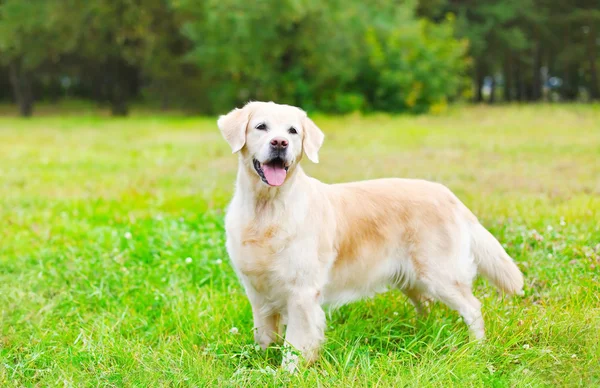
(113, 269)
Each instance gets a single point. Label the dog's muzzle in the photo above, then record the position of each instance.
(272, 172)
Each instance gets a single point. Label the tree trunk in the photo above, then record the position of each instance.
(493, 90)
(118, 103)
(552, 71)
(164, 99)
(118, 87)
(575, 80)
(594, 93)
(520, 90)
(567, 88)
(566, 73)
(22, 88)
(536, 85)
(479, 77)
(508, 78)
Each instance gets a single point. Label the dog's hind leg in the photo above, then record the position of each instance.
(419, 300)
(459, 297)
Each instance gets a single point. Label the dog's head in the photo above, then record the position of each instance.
(271, 138)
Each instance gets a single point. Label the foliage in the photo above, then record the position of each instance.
(218, 54)
(333, 56)
(118, 39)
(324, 55)
(33, 36)
(521, 44)
(33, 32)
(415, 66)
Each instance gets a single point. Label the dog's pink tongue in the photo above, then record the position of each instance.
(275, 174)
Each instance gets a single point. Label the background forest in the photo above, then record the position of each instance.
(335, 56)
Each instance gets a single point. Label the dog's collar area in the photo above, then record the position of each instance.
(261, 173)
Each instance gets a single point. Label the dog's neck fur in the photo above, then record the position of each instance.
(262, 196)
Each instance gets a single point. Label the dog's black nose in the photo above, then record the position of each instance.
(279, 143)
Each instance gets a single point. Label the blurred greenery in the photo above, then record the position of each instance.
(332, 56)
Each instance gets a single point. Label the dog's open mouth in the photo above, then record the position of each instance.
(272, 172)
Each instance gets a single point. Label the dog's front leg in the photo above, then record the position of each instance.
(305, 328)
(267, 325)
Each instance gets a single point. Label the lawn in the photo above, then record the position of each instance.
(113, 270)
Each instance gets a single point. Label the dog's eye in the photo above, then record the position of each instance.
(262, 126)
(292, 130)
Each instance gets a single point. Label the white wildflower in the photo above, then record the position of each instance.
(535, 234)
(128, 235)
(234, 330)
(188, 260)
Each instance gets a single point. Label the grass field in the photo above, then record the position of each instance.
(113, 270)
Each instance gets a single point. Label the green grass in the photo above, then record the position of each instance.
(113, 270)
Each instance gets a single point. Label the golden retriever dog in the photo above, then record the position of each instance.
(298, 244)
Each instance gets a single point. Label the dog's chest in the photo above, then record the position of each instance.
(265, 253)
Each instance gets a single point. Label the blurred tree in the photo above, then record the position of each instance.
(286, 50)
(528, 43)
(4, 84)
(322, 55)
(335, 56)
(585, 14)
(33, 36)
(165, 75)
(497, 36)
(115, 36)
(412, 64)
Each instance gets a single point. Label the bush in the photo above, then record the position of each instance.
(414, 67)
(330, 56)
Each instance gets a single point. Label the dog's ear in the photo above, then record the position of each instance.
(233, 128)
(313, 140)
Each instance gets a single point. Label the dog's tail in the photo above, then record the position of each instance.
(493, 262)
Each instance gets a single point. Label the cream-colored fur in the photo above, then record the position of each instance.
(306, 244)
